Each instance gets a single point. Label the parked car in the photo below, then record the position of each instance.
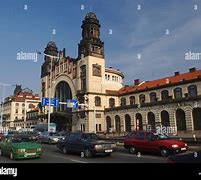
(29, 134)
(194, 157)
(155, 143)
(19, 147)
(87, 143)
(50, 137)
(1, 136)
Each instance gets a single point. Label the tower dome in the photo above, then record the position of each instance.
(90, 15)
(52, 44)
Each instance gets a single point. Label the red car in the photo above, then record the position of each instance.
(1, 136)
(155, 143)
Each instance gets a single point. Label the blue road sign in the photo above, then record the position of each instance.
(72, 103)
(45, 101)
(54, 102)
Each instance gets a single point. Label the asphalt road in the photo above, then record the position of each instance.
(53, 155)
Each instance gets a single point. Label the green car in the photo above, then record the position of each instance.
(20, 147)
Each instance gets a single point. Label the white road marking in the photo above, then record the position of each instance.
(142, 156)
(63, 157)
(77, 161)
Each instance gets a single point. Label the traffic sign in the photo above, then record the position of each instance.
(72, 103)
(54, 102)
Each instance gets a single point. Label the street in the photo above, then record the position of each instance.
(53, 155)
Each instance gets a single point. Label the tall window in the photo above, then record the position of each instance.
(132, 100)
(97, 101)
(192, 91)
(111, 102)
(16, 111)
(123, 101)
(153, 97)
(177, 93)
(142, 98)
(164, 94)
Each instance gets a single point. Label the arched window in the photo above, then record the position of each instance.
(111, 102)
(151, 120)
(164, 95)
(117, 124)
(196, 118)
(123, 101)
(178, 93)
(142, 98)
(108, 123)
(153, 97)
(97, 101)
(181, 120)
(132, 100)
(17, 104)
(127, 123)
(192, 91)
(165, 120)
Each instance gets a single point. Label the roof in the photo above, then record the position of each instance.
(161, 82)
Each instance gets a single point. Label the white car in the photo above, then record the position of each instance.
(50, 137)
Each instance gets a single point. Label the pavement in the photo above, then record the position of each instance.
(53, 155)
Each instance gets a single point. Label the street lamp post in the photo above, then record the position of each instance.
(50, 87)
(3, 97)
(50, 94)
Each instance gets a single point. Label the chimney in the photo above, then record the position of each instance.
(64, 52)
(176, 73)
(192, 69)
(136, 82)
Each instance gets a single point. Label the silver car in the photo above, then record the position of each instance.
(50, 137)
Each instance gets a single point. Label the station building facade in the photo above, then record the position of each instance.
(109, 105)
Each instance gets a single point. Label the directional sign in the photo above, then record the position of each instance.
(72, 103)
(54, 102)
(45, 101)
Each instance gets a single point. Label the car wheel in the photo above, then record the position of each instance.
(11, 156)
(132, 150)
(164, 152)
(64, 150)
(87, 153)
(1, 154)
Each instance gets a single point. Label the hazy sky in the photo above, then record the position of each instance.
(26, 25)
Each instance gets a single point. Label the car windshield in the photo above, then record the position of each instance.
(54, 134)
(19, 140)
(92, 137)
(161, 136)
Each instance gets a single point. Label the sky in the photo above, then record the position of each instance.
(149, 38)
